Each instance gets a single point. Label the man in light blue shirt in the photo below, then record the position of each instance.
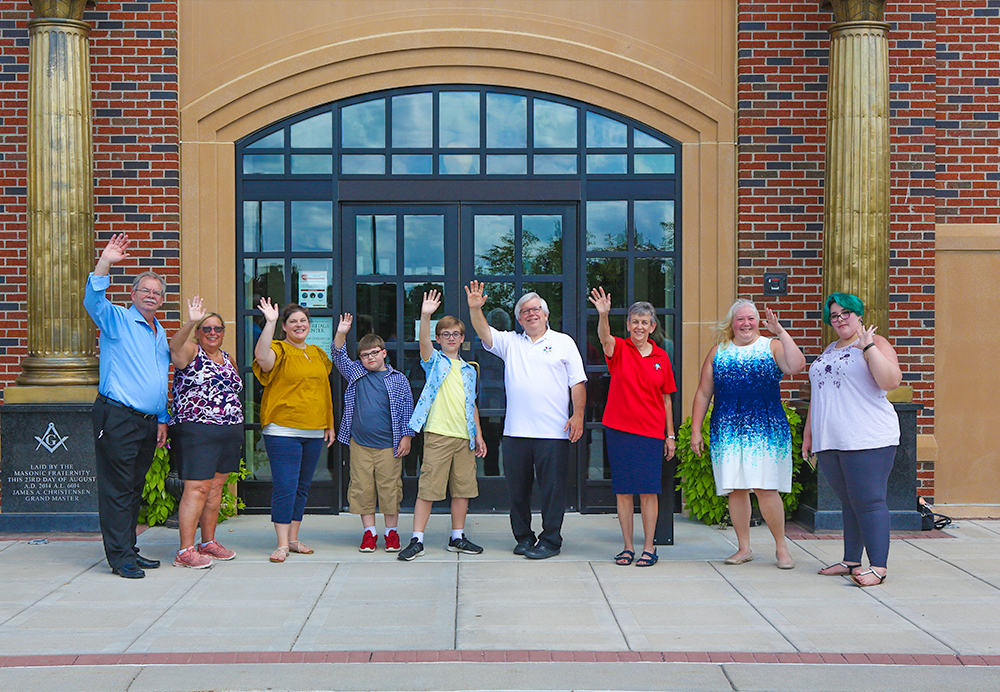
(130, 412)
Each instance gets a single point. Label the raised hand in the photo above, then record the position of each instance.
(346, 320)
(432, 301)
(117, 249)
(269, 311)
(195, 309)
(773, 325)
(601, 300)
(475, 295)
(114, 252)
(865, 336)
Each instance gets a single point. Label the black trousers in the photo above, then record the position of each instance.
(525, 459)
(125, 442)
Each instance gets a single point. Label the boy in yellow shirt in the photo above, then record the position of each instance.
(448, 413)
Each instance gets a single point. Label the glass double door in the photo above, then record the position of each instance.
(401, 251)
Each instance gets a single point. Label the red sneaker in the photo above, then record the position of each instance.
(190, 557)
(392, 542)
(216, 551)
(368, 542)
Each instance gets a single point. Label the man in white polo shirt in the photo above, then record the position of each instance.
(543, 371)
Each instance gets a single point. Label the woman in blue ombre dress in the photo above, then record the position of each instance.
(751, 442)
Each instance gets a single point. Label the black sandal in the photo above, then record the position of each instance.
(624, 558)
(850, 569)
(857, 582)
(647, 561)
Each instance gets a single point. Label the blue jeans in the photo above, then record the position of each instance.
(293, 463)
(859, 479)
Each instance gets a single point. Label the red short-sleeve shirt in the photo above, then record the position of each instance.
(638, 384)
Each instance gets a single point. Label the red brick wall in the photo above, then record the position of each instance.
(783, 67)
(781, 93)
(133, 55)
(912, 78)
(968, 111)
(13, 157)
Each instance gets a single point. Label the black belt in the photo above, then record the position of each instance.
(118, 404)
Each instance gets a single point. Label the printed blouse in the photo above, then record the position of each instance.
(207, 392)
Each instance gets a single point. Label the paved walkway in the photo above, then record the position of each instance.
(342, 620)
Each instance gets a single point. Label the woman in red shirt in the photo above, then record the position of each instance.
(638, 419)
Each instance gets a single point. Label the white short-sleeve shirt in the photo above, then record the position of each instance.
(537, 378)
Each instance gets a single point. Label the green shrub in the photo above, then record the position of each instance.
(698, 483)
(158, 505)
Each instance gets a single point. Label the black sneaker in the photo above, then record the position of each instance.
(412, 551)
(463, 545)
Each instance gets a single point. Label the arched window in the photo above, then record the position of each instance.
(362, 204)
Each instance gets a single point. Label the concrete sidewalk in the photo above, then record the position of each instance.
(343, 620)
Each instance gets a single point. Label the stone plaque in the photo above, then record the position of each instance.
(48, 478)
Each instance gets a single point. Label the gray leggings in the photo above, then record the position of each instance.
(859, 480)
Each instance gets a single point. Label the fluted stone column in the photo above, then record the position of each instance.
(61, 336)
(856, 206)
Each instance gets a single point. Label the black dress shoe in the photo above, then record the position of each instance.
(540, 552)
(129, 570)
(145, 562)
(524, 546)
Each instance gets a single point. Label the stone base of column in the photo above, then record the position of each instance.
(22, 394)
(58, 371)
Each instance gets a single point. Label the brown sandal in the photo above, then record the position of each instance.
(279, 554)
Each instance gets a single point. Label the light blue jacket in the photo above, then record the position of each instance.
(437, 368)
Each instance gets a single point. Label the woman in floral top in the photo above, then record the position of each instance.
(206, 430)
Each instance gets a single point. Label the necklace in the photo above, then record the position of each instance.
(302, 348)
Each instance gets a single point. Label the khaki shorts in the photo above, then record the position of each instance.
(376, 481)
(448, 464)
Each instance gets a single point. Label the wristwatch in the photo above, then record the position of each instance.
(671, 437)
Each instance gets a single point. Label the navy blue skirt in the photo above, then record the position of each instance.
(636, 462)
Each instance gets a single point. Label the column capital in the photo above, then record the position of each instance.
(855, 10)
(61, 9)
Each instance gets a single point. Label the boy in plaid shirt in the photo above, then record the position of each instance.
(378, 404)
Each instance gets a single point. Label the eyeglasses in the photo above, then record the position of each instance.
(536, 310)
(147, 291)
(840, 316)
(451, 335)
(370, 355)
(207, 329)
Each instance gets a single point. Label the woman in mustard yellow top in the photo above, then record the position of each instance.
(296, 415)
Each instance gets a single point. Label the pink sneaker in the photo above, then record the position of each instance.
(392, 542)
(368, 542)
(189, 557)
(214, 550)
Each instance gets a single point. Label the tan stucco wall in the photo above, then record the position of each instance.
(668, 63)
(967, 415)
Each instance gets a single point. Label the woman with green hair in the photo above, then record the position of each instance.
(854, 431)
